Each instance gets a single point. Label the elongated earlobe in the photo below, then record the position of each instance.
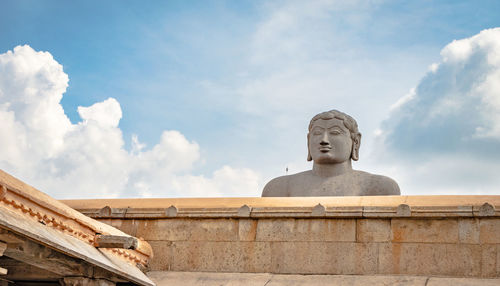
(356, 142)
(309, 157)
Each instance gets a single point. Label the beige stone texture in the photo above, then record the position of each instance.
(282, 236)
(323, 257)
(498, 261)
(462, 260)
(373, 230)
(306, 230)
(344, 280)
(183, 229)
(468, 230)
(441, 281)
(164, 258)
(489, 230)
(425, 230)
(214, 256)
(208, 203)
(164, 278)
(247, 229)
(488, 260)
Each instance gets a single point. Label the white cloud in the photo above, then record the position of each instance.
(445, 135)
(106, 113)
(88, 159)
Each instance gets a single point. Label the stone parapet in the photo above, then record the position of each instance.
(453, 236)
(297, 207)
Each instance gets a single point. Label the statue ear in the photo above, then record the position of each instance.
(356, 142)
(309, 157)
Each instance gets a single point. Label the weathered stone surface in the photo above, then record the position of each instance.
(82, 281)
(163, 278)
(439, 238)
(498, 261)
(468, 230)
(424, 230)
(323, 257)
(489, 230)
(435, 281)
(182, 229)
(488, 260)
(306, 230)
(344, 280)
(115, 241)
(373, 230)
(221, 256)
(128, 226)
(430, 259)
(247, 229)
(421, 206)
(163, 259)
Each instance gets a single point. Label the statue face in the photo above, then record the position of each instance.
(330, 141)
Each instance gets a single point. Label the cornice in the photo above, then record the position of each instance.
(32, 204)
(317, 207)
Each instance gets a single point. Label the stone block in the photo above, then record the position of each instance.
(441, 281)
(215, 256)
(488, 260)
(430, 259)
(208, 279)
(366, 258)
(344, 280)
(323, 257)
(498, 261)
(247, 229)
(468, 230)
(489, 230)
(425, 230)
(162, 259)
(306, 230)
(169, 278)
(373, 230)
(188, 229)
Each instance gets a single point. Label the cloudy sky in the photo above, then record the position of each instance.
(213, 98)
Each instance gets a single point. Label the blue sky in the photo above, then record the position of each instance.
(239, 82)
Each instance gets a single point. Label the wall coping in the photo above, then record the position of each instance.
(298, 207)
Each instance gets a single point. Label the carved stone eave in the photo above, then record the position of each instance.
(330, 207)
(32, 214)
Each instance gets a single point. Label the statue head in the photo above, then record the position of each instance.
(333, 137)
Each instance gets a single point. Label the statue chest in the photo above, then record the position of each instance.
(327, 187)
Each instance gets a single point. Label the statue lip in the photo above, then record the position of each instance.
(325, 149)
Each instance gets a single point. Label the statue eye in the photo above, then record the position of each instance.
(335, 132)
(317, 131)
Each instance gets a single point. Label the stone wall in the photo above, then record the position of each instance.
(457, 236)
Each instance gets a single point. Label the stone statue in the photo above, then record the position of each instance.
(333, 140)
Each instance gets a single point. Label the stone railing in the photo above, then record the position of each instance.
(456, 236)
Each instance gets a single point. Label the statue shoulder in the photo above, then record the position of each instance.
(280, 186)
(378, 185)
(277, 187)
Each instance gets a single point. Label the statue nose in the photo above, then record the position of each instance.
(324, 140)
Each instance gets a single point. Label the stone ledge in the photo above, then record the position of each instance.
(306, 207)
(167, 278)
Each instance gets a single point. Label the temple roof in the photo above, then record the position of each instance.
(46, 235)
